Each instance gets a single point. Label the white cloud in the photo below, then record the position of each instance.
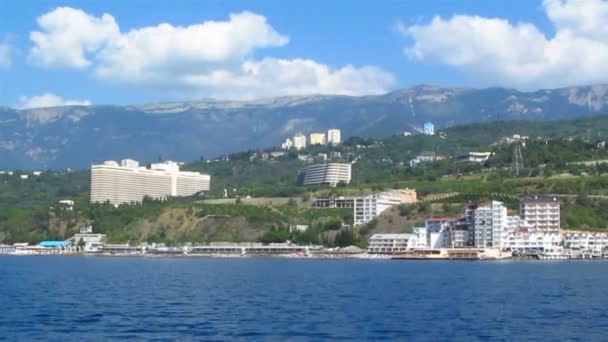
(49, 100)
(211, 59)
(498, 52)
(68, 35)
(6, 52)
(271, 76)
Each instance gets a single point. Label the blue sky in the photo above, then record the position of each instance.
(271, 48)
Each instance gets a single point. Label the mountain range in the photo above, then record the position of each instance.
(77, 136)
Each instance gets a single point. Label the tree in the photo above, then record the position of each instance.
(333, 225)
(404, 210)
(583, 200)
(275, 236)
(345, 238)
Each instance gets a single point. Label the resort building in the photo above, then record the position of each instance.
(529, 243)
(542, 212)
(130, 183)
(330, 174)
(317, 138)
(67, 205)
(334, 136)
(388, 243)
(419, 238)
(287, 144)
(438, 231)
(333, 202)
(586, 241)
(428, 128)
(369, 207)
(459, 237)
(489, 223)
(474, 157)
(299, 141)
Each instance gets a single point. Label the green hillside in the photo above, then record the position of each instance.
(552, 159)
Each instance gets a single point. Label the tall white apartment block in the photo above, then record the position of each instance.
(334, 136)
(130, 183)
(317, 139)
(489, 224)
(299, 141)
(428, 128)
(329, 173)
(542, 212)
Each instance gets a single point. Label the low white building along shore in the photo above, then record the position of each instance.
(128, 182)
(388, 243)
(488, 231)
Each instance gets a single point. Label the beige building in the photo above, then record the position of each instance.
(317, 139)
(542, 212)
(130, 183)
(299, 141)
(407, 195)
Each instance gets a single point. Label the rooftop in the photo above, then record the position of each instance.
(390, 236)
(539, 199)
(53, 243)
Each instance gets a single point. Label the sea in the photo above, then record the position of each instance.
(80, 298)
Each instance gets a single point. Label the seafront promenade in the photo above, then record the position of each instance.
(253, 250)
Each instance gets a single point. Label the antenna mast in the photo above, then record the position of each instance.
(518, 160)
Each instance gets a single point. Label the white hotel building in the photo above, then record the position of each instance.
(388, 243)
(334, 136)
(369, 207)
(330, 173)
(130, 183)
(542, 212)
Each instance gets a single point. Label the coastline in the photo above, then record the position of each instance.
(327, 256)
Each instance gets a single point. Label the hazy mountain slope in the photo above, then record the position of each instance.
(78, 136)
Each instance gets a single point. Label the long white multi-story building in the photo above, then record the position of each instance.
(524, 242)
(330, 173)
(128, 182)
(388, 243)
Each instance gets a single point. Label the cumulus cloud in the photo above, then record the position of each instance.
(272, 76)
(68, 35)
(213, 58)
(498, 52)
(49, 100)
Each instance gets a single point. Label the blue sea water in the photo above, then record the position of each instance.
(199, 299)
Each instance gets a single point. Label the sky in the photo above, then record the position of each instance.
(130, 52)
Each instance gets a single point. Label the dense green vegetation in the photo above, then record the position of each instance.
(28, 209)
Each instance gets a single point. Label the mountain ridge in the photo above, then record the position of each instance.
(76, 136)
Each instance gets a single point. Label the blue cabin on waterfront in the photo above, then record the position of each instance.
(55, 244)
